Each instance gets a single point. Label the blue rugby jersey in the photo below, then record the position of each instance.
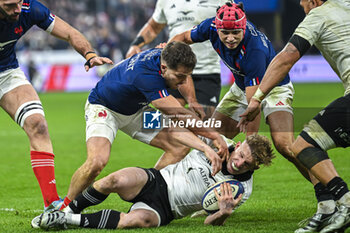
(132, 84)
(249, 61)
(33, 13)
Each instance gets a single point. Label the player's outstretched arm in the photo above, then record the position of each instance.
(187, 91)
(183, 37)
(187, 138)
(170, 106)
(226, 205)
(64, 31)
(275, 73)
(145, 36)
(279, 68)
(253, 125)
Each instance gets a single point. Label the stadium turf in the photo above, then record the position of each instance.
(281, 197)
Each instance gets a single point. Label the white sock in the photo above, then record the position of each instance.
(73, 219)
(326, 207)
(68, 210)
(345, 199)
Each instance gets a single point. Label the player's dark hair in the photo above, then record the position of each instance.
(178, 54)
(261, 149)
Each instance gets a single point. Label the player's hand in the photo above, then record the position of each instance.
(216, 161)
(197, 108)
(221, 145)
(132, 51)
(250, 113)
(97, 61)
(225, 200)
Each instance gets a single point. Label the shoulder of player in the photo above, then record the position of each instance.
(210, 20)
(32, 7)
(28, 4)
(169, 4)
(148, 76)
(254, 44)
(318, 13)
(209, 24)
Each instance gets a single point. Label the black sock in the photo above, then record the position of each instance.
(105, 219)
(322, 193)
(88, 197)
(337, 187)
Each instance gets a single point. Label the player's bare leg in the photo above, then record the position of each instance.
(98, 152)
(229, 126)
(18, 103)
(173, 151)
(139, 218)
(110, 219)
(127, 183)
(282, 133)
(323, 171)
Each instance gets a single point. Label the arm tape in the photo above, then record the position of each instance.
(300, 43)
(138, 40)
(259, 95)
(89, 55)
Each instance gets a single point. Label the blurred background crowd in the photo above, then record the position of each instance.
(111, 25)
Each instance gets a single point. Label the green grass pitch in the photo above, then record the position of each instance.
(281, 197)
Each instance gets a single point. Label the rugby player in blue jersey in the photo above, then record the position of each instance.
(17, 96)
(247, 52)
(120, 99)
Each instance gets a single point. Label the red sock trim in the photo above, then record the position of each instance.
(66, 202)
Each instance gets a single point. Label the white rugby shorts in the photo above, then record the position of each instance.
(235, 103)
(10, 79)
(103, 122)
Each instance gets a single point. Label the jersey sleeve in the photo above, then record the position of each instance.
(254, 68)
(311, 27)
(202, 31)
(151, 86)
(248, 189)
(41, 15)
(158, 14)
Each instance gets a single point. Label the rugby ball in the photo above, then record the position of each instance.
(209, 200)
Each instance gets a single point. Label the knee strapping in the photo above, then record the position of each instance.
(310, 156)
(27, 109)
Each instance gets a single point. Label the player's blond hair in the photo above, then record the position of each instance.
(261, 149)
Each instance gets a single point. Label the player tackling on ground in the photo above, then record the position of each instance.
(326, 25)
(17, 96)
(171, 193)
(119, 101)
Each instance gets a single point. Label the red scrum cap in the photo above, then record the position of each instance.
(231, 16)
